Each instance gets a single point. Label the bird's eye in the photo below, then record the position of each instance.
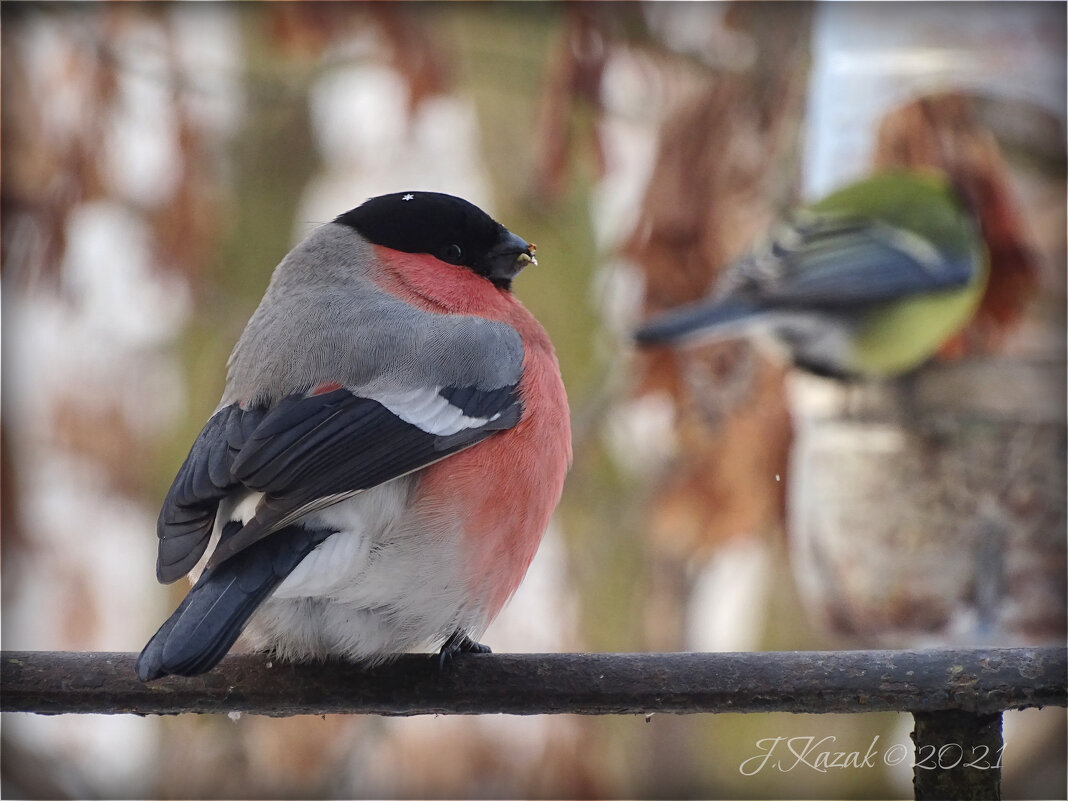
(453, 254)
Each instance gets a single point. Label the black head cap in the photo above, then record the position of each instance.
(444, 226)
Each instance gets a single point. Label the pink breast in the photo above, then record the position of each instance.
(504, 489)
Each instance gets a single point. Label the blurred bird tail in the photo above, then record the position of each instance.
(704, 319)
(212, 616)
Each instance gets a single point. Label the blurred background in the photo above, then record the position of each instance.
(159, 159)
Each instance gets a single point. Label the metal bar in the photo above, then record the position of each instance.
(979, 681)
(958, 756)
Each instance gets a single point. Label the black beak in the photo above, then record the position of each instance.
(505, 259)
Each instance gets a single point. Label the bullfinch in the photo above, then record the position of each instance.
(391, 442)
(868, 282)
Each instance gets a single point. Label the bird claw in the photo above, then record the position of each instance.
(459, 643)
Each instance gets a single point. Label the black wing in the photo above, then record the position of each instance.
(826, 261)
(308, 452)
(206, 477)
(819, 262)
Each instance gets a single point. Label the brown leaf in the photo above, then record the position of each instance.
(943, 132)
(716, 186)
(414, 53)
(572, 85)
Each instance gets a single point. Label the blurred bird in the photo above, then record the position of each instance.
(391, 442)
(869, 281)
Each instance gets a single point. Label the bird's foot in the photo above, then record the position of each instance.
(459, 643)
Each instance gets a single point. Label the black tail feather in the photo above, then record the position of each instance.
(212, 616)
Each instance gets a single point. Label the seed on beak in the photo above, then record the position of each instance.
(528, 258)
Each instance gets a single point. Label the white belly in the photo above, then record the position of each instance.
(392, 580)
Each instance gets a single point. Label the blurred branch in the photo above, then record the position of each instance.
(976, 681)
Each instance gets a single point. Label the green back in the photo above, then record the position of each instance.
(904, 333)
